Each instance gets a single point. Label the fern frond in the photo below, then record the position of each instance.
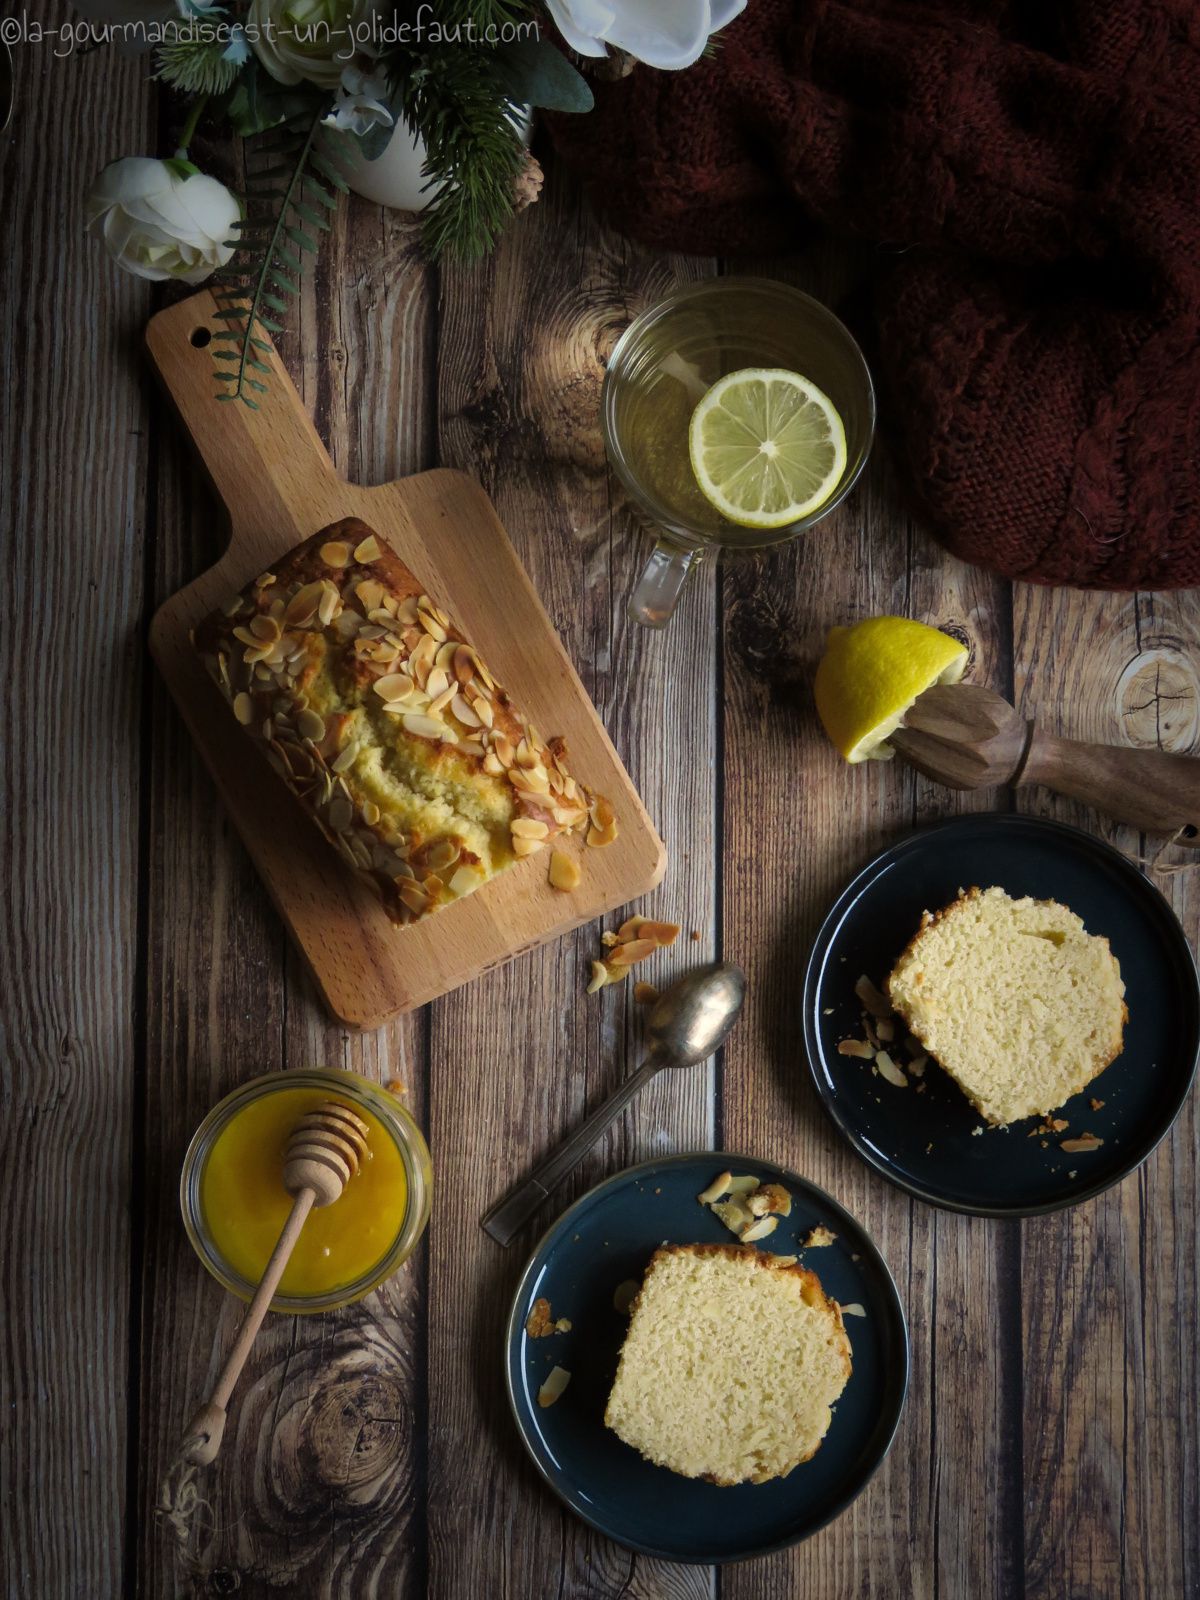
(289, 171)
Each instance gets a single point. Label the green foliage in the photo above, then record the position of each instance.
(195, 67)
(292, 184)
(464, 96)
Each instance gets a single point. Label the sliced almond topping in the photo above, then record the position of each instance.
(554, 1386)
(889, 1070)
(663, 933)
(491, 763)
(442, 701)
(464, 710)
(624, 955)
(858, 1048)
(432, 626)
(310, 724)
(422, 727)
(599, 977)
(329, 606)
(598, 840)
(368, 550)
(394, 686)
(565, 873)
(876, 1003)
(483, 710)
(718, 1187)
(335, 553)
(370, 813)
(759, 1229)
(529, 828)
(624, 1295)
(437, 682)
(243, 709)
(527, 847)
(733, 1214)
(1085, 1142)
(302, 607)
(369, 593)
(265, 628)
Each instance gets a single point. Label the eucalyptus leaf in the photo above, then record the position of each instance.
(533, 73)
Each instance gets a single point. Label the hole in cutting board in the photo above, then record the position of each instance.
(201, 337)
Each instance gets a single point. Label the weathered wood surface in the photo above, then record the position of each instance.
(1049, 1447)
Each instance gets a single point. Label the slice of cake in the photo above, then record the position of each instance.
(1017, 1001)
(730, 1365)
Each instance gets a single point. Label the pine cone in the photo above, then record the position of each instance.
(527, 184)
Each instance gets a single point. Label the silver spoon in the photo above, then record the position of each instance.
(686, 1025)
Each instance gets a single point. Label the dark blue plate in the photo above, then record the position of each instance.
(935, 1144)
(609, 1236)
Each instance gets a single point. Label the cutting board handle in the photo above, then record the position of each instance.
(262, 463)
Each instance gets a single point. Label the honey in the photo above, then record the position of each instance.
(235, 1203)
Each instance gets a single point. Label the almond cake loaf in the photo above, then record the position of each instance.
(386, 723)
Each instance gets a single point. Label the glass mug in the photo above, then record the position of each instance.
(663, 364)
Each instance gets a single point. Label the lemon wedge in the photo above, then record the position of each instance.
(767, 447)
(870, 675)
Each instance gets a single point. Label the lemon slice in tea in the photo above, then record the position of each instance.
(767, 447)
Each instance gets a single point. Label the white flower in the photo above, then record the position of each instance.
(162, 219)
(359, 104)
(304, 40)
(668, 34)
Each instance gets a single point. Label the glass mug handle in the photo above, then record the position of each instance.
(661, 583)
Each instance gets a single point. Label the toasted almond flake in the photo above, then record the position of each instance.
(644, 993)
(859, 1048)
(412, 894)
(533, 781)
(302, 607)
(889, 1070)
(310, 724)
(244, 636)
(437, 682)
(624, 955)
(441, 702)
(854, 1309)
(759, 1229)
(423, 727)
(554, 1388)
(265, 628)
(599, 977)
(432, 626)
(369, 593)
(602, 813)
(529, 828)
(243, 709)
(483, 710)
(629, 928)
(733, 1214)
(505, 749)
(624, 1295)
(345, 760)
(918, 1064)
(341, 814)
(329, 605)
(745, 1183)
(491, 763)
(368, 550)
(370, 813)
(527, 847)
(1085, 1142)
(335, 553)
(464, 880)
(565, 873)
(664, 934)
(598, 840)
(394, 686)
(876, 1003)
(718, 1187)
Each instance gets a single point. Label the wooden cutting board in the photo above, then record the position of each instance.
(278, 486)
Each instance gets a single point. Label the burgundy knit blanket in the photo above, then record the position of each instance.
(1030, 174)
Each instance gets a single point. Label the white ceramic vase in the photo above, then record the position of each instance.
(395, 179)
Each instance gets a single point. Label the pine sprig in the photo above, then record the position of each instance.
(456, 98)
(292, 184)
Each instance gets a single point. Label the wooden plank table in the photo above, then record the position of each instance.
(1049, 1446)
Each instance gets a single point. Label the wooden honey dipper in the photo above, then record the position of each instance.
(324, 1149)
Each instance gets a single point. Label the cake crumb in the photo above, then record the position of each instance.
(1096, 1105)
(976, 1131)
(396, 1086)
(819, 1237)
(552, 1390)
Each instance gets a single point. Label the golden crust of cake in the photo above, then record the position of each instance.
(1014, 999)
(384, 720)
(730, 1365)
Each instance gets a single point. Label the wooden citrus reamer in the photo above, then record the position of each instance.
(325, 1148)
(968, 737)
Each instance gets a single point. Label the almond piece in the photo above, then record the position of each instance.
(759, 1229)
(859, 1048)
(663, 933)
(368, 550)
(624, 955)
(565, 871)
(600, 976)
(554, 1387)
(889, 1070)
(719, 1186)
(876, 1003)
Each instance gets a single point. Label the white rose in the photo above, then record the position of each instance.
(162, 219)
(360, 103)
(669, 34)
(304, 40)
